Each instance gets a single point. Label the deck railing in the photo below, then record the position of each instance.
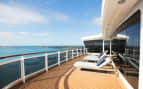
(20, 69)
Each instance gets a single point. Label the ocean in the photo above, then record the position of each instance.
(14, 50)
(12, 71)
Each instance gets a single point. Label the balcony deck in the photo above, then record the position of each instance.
(66, 76)
(90, 80)
(50, 79)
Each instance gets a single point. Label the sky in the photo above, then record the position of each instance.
(48, 22)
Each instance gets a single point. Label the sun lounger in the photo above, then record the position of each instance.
(95, 58)
(102, 62)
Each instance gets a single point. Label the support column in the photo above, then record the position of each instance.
(103, 46)
(84, 50)
(110, 47)
(77, 52)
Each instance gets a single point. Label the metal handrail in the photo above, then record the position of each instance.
(24, 76)
(130, 60)
(28, 54)
(133, 59)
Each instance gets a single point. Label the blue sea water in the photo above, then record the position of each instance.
(14, 50)
(12, 71)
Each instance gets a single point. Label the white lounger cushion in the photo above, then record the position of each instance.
(84, 64)
(95, 58)
(91, 65)
(91, 58)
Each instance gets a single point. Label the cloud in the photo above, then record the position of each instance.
(16, 15)
(8, 35)
(30, 33)
(22, 38)
(61, 17)
(97, 20)
(40, 34)
(23, 33)
(57, 16)
(13, 15)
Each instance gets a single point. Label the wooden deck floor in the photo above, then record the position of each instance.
(66, 76)
(81, 79)
(50, 79)
(92, 80)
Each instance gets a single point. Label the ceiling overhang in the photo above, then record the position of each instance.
(100, 37)
(113, 13)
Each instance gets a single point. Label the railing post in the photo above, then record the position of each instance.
(77, 52)
(67, 55)
(72, 54)
(46, 61)
(22, 69)
(59, 58)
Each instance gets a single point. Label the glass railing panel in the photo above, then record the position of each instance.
(75, 53)
(52, 59)
(70, 55)
(9, 73)
(82, 51)
(62, 56)
(79, 52)
(34, 64)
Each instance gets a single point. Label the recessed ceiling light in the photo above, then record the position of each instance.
(121, 1)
